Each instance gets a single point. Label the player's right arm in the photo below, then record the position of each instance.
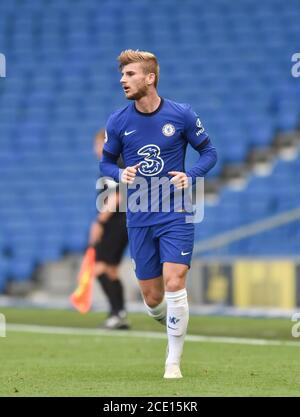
(109, 168)
(128, 174)
(111, 152)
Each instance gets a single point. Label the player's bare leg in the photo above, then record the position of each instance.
(153, 294)
(177, 315)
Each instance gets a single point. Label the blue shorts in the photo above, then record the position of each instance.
(151, 246)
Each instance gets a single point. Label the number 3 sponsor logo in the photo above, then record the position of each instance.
(152, 163)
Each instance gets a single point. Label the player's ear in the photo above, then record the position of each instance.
(150, 78)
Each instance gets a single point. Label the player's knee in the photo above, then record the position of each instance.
(174, 277)
(153, 299)
(174, 282)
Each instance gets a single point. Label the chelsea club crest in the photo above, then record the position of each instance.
(168, 129)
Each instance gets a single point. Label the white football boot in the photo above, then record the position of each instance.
(172, 371)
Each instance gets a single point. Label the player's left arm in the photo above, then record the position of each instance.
(200, 141)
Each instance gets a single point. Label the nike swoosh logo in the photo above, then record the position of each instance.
(185, 253)
(129, 133)
(172, 328)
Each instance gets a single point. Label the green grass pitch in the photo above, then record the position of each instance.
(37, 364)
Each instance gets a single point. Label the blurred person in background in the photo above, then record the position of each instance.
(108, 234)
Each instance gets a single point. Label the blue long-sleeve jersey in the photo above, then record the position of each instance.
(157, 141)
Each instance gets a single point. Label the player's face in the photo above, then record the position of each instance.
(134, 81)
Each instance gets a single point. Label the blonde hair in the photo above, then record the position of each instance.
(147, 59)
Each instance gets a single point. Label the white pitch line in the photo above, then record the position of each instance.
(75, 331)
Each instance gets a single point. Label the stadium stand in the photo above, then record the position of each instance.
(231, 60)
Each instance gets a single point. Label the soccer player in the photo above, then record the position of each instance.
(151, 133)
(108, 235)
